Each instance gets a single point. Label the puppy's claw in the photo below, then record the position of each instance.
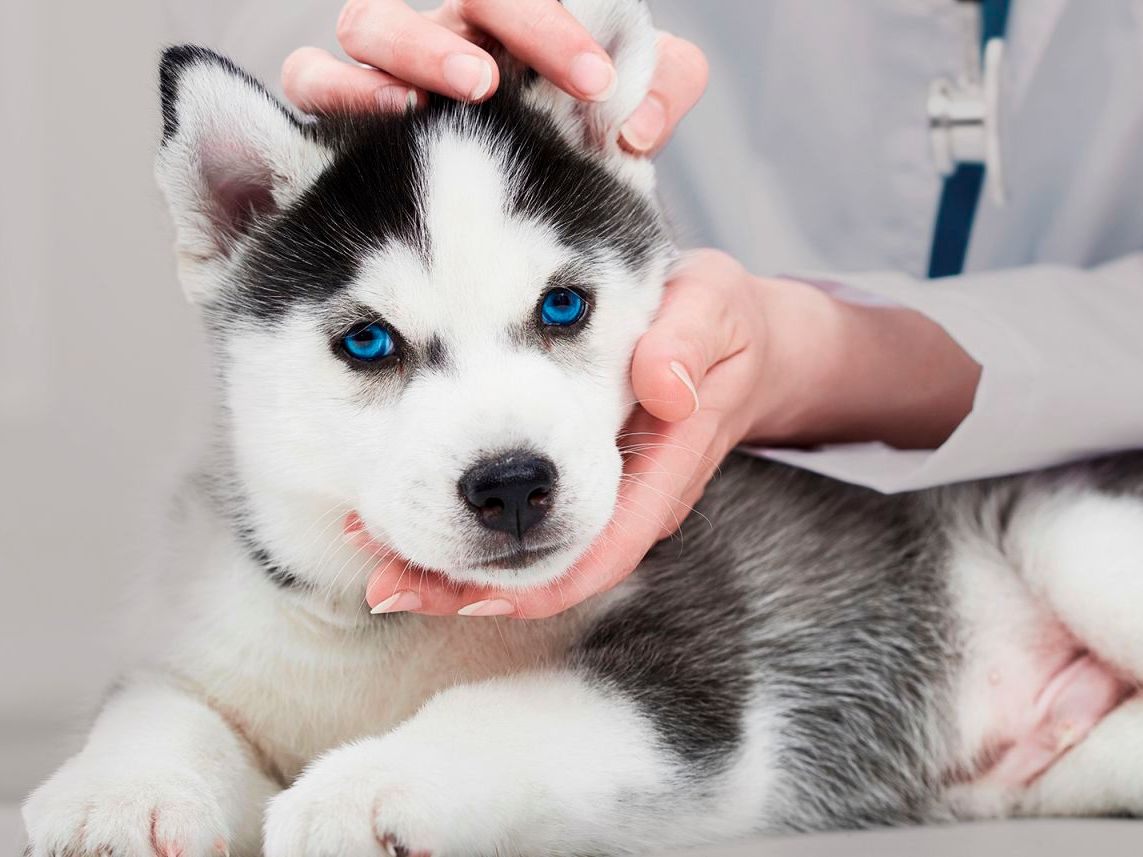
(394, 848)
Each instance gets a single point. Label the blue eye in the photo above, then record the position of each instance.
(562, 307)
(369, 343)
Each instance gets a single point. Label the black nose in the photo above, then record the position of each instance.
(510, 493)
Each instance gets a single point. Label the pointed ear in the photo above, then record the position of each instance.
(231, 155)
(624, 29)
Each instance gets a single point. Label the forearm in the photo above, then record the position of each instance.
(864, 373)
(1061, 361)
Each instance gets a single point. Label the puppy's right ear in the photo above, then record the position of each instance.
(231, 155)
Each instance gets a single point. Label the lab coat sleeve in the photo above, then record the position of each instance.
(1061, 351)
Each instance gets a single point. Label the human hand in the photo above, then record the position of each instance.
(730, 358)
(444, 51)
(698, 374)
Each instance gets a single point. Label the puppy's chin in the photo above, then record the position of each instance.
(520, 571)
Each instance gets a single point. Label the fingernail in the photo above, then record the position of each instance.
(593, 76)
(470, 77)
(398, 602)
(681, 371)
(490, 607)
(395, 99)
(412, 102)
(645, 126)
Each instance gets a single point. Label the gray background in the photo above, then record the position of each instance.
(102, 373)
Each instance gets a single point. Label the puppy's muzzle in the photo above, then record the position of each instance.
(510, 493)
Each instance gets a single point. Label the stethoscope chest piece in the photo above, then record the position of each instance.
(964, 121)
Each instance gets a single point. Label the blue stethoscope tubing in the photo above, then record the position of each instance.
(960, 195)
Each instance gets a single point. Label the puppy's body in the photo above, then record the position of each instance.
(805, 655)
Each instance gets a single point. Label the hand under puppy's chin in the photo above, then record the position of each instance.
(524, 570)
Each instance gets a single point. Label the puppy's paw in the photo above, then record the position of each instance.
(114, 810)
(362, 799)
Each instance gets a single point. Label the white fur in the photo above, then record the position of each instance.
(1084, 554)
(567, 761)
(625, 30)
(1068, 578)
(464, 736)
(398, 465)
(229, 131)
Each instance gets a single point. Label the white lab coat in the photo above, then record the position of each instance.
(809, 157)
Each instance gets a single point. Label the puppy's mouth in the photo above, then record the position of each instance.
(520, 558)
(514, 559)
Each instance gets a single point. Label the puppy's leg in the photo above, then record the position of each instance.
(161, 773)
(538, 764)
(1083, 552)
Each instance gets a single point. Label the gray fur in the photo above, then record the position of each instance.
(831, 601)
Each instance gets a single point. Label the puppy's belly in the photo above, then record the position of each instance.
(1029, 690)
(1035, 706)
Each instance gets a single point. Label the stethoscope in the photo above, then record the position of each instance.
(964, 113)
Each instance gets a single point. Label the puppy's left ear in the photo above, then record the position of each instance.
(624, 29)
(231, 155)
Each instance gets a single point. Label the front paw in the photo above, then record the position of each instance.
(361, 799)
(102, 809)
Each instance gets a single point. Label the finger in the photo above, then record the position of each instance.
(679, 81)
(681, 454)
(660, 466)
(719, 426)
(395, 587)
(390, 36)
(318, 82)
(544, 36)
(694, 330)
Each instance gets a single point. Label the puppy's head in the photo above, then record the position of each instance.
(426, 318)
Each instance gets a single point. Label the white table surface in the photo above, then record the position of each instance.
(1062, 838)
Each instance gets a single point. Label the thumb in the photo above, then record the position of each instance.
(691, 334)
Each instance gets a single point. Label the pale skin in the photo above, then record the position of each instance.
(731, 358)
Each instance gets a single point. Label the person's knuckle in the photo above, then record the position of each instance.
(690, 348)
(353, 23)
(550, 21)
(471, 10)
(690, 60)
(710, 259)
(296, 70)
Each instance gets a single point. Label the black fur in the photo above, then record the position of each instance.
(369, 195)
(175, 60)
(278, 574)
(853, 655)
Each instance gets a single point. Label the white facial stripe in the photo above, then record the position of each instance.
(467, 197)
(487, 269)
(398, 458)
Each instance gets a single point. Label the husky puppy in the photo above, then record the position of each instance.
(428, 319)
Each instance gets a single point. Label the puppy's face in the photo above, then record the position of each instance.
(433, 327)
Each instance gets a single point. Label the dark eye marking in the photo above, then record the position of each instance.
(366, 342)
(435, 353)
